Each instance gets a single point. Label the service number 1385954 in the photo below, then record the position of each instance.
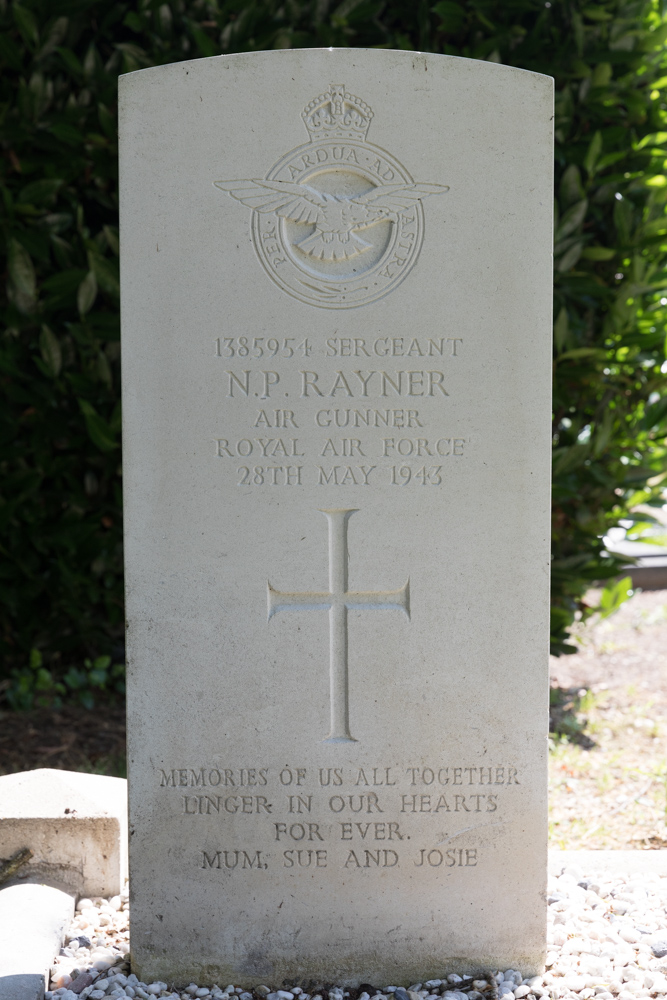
(261, 347)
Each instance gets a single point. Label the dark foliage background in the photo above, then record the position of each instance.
(60, 490)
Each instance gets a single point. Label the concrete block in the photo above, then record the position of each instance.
(22, 987)
(33, 922)
(75, 825)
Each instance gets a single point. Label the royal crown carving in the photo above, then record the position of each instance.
(337, 115)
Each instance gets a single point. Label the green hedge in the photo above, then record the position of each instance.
(60, 500)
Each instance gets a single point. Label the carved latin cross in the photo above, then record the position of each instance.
(338, 600)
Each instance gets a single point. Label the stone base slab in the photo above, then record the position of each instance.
(33, 922)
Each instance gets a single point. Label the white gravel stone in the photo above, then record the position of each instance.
(607, 940)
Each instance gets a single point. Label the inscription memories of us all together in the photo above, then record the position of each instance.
(336, 347)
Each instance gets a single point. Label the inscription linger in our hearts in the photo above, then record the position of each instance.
(338, 600)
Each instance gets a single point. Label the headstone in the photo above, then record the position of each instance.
(74, 824)
(336, 281)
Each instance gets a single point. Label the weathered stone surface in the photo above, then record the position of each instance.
(75, 825)
(336, 317)
(33, 921)
(22, 987)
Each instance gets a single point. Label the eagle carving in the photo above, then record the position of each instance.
(337, 217)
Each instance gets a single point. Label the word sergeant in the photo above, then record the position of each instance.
(336, 322)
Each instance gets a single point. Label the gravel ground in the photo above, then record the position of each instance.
(607, 938)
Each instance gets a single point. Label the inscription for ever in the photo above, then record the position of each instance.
(338, 601)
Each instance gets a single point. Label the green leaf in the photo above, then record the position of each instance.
(135, 57)
(27, 24)
(22, 276)
(656, 39)
(613, 595)
(64, 282)
(570, 257)
(87, 293)
(654, 138)
(561, 329)
(593, 153)
(571, 188)
(40, 192)
(452, 15)
(71, 61)
(68, 133)
(603, 433)
(43, 680)
(571, 220)
(50, 350)
(107, 121)
(106, 273)
(655, 416)
(98, 429)
(597, 14)
(75, 678)
(598, 253)
(206, 45)
(111, 234)
(602, 74)
(54, 38)
(104, 369)
(565, 460)
(583, 352)
(609, 158)
(133, 21)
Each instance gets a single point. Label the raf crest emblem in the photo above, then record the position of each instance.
(337, 222)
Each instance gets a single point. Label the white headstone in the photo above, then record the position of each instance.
(336, 321)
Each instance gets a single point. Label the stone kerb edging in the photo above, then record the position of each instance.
(33, 922)
(75, 825)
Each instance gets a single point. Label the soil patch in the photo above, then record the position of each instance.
(73, 739)
(608, 760)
